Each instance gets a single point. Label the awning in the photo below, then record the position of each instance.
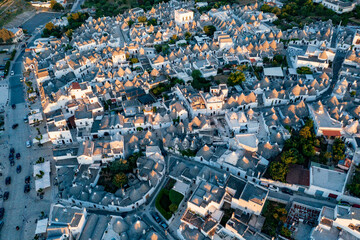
(331, 133)
(41, 226)
(333, 196)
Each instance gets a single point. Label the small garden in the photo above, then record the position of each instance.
(114, 176)
(354, 186)
(302, 148)
(168, 200)
(275, 216)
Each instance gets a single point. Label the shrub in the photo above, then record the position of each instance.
(159, 204)
(175, 197)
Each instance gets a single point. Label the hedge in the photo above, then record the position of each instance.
(166, 214)
(175, 197)
(166, 198)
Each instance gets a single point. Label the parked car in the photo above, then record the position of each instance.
(273, 188)
(27, 188)
(26, 119)
(28, 143)
(12, 73)
(13, 106)
(12, 163)
(2, 212)
(18, 169)
(18, 156)
(7, 180)
(6, 195)
(12, 150)
(287, 191)
(11, 156)
(164, 225)
(15, 125)
(27, 179)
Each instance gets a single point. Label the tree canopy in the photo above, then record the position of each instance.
(120, 179)
(209, 30)
(54, 5)
(236, 78)
(6, 36)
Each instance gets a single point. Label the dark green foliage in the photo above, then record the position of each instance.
(162, 87)
(13, 53)
(167, 202)
(54, 5)
(199, 82)
(175, 197)
(162, 203)
(209, 30)
(188, 153)
(114, 175)
(7, 68)
(152, 21)
(304, 70)
(299, 149)
(75, 20)
(338, 150)
(354, 186)
(275, 214)
(300, 12)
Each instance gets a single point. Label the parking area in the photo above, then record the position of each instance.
(22, 208)
(39, 19)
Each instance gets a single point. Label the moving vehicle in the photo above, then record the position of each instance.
(7, 180)
(15, 126)
(18, 169)
(12, 73)
(13, 106)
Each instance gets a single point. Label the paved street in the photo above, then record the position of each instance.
(21, 209)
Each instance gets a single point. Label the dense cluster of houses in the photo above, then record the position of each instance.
(97, 99)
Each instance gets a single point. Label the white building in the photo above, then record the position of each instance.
(183, 16)
(327, 182)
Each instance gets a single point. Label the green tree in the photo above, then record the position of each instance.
(338, 149)
(187, 35)
(209, 30)
(54, 5)
(196, 74)
(278, 171)
(152, 21)
(130, 23)
(120, 180)
(291, 156)
(49, 26)
(134, 60)
(236, 78)
(142, 19)
(6, 36)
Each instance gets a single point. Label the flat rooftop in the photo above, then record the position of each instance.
(327, 178)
